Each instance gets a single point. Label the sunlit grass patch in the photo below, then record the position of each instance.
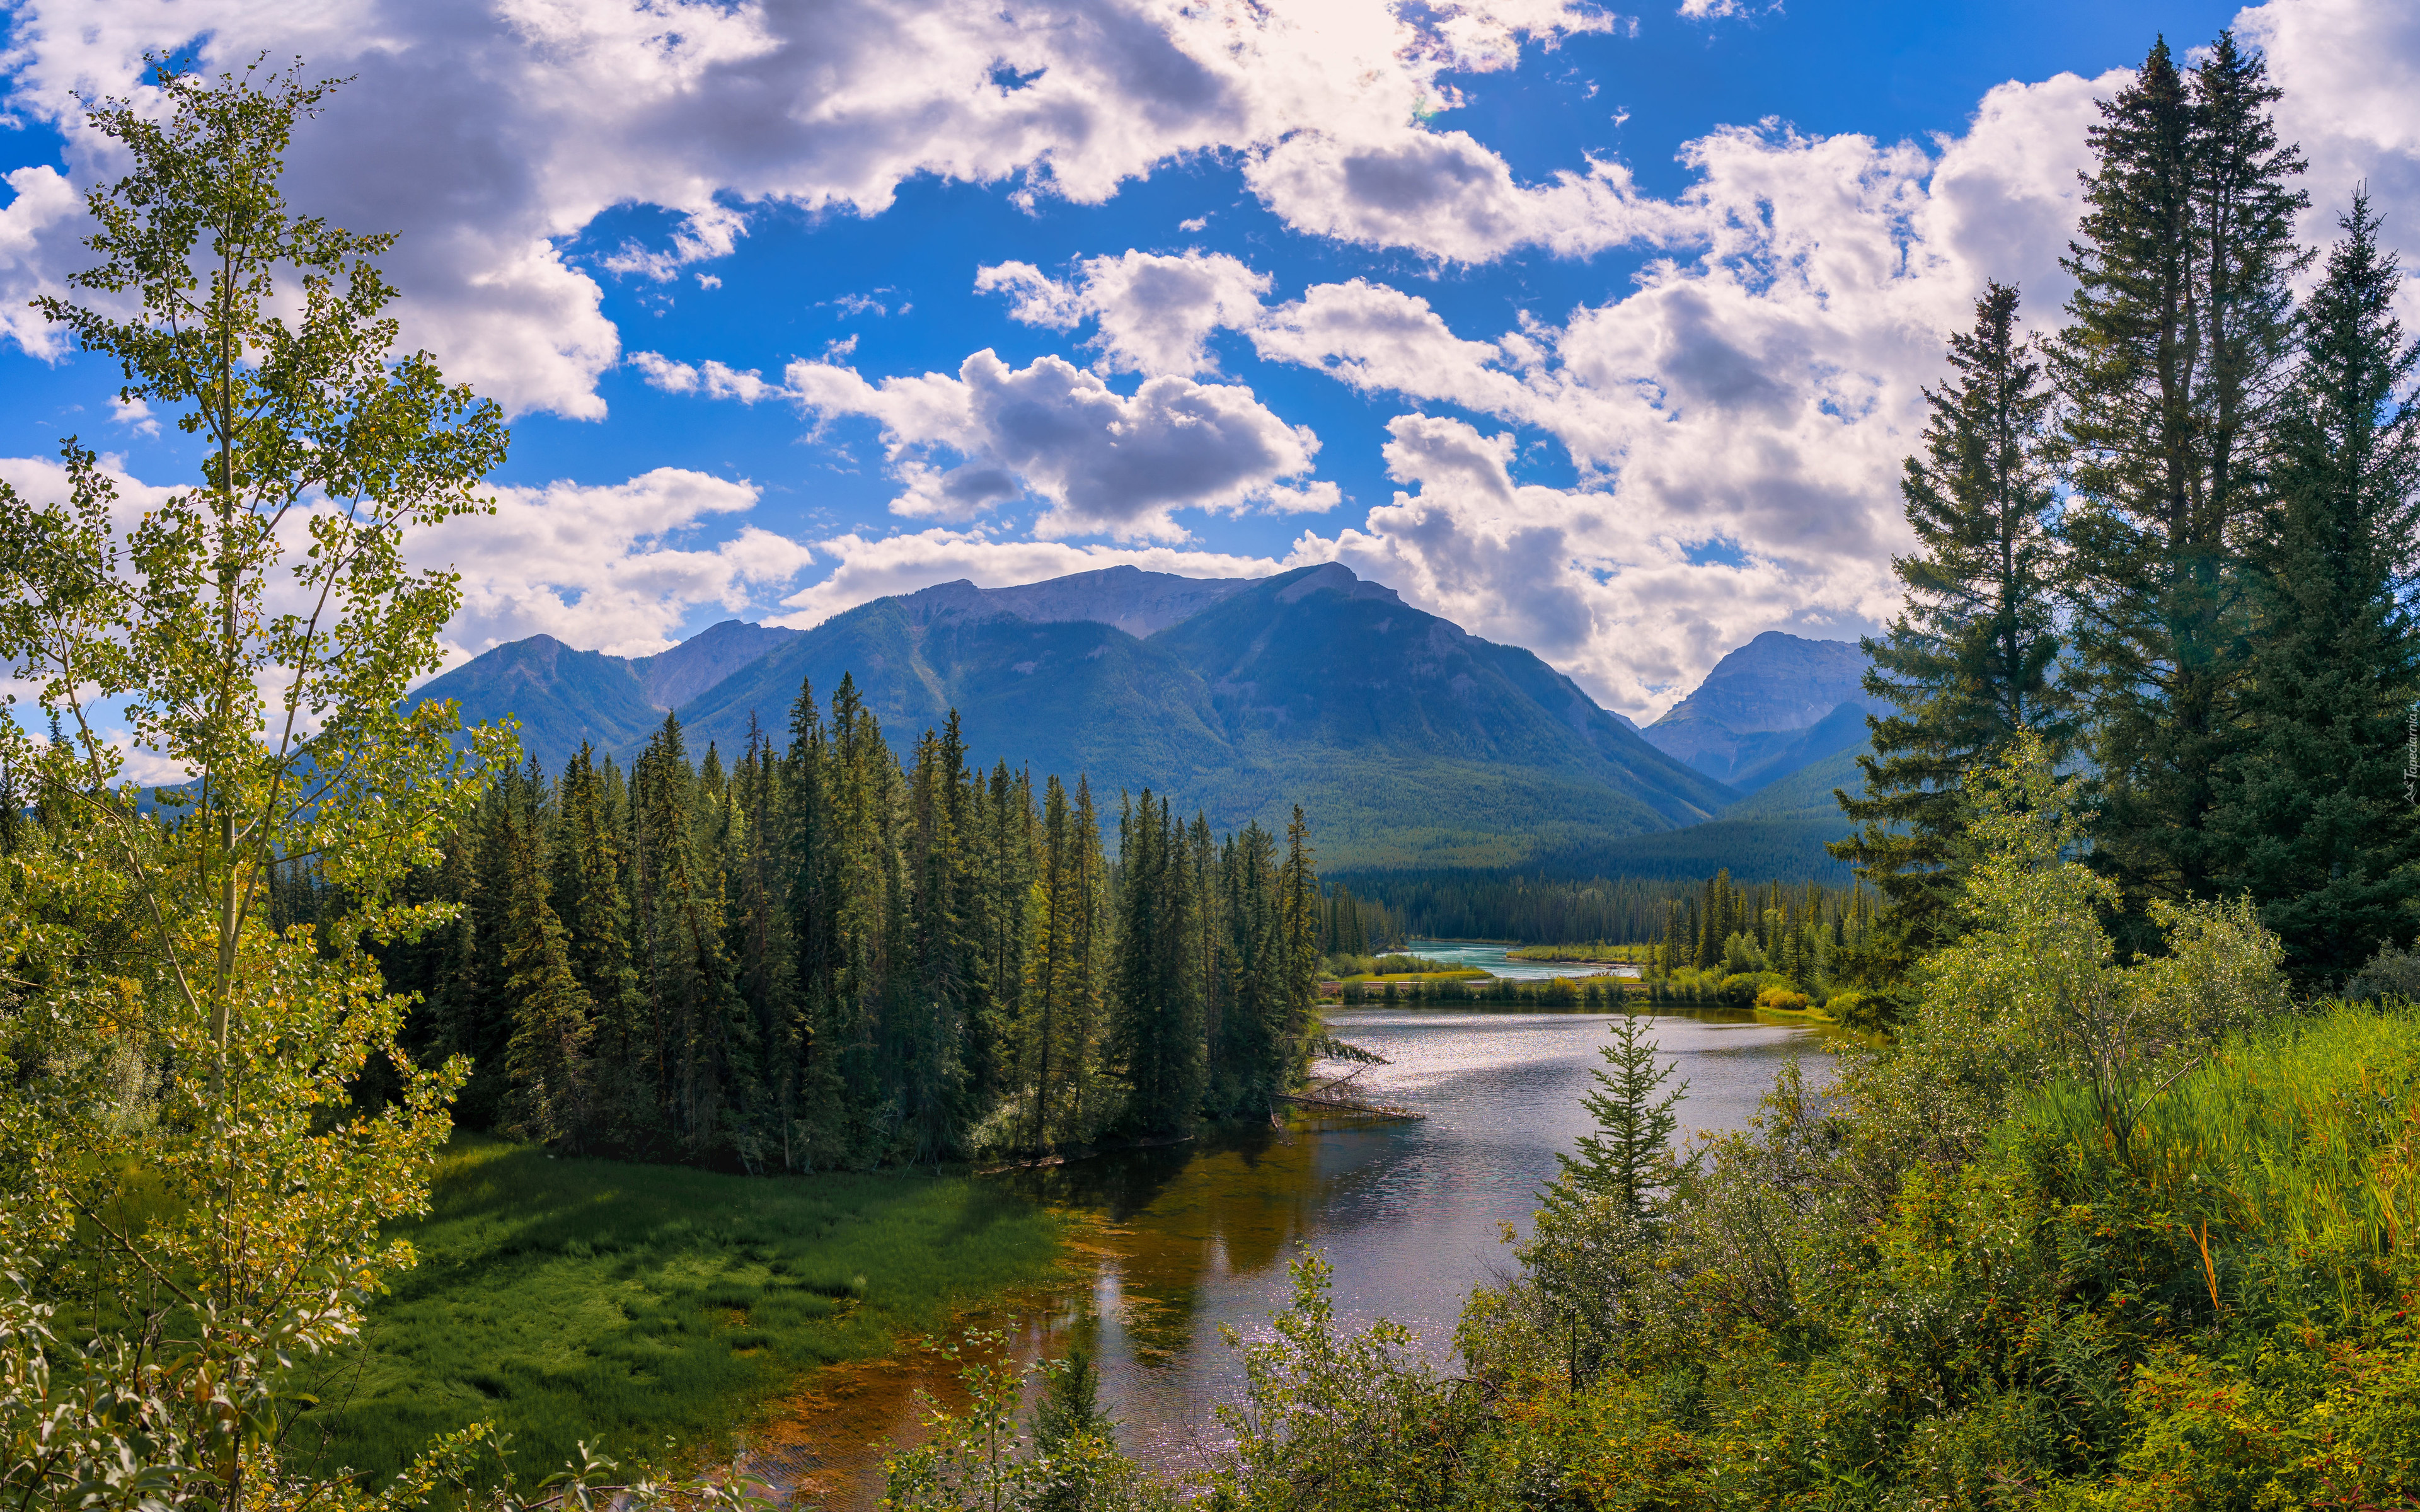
(567, 1300)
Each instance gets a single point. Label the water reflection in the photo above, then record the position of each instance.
(1186, 1238)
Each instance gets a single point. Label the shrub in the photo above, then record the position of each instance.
(1742, 989)
(1783, 998)
(2393, 973)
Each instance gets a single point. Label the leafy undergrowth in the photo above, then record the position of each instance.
(567, 1300)
(2216, 1310)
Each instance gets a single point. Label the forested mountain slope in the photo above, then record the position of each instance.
(1415, 743)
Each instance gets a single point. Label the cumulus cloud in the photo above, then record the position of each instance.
(602, 566)
(1104, 462)
(1447, 194)
(489, 134)
(2350, 71)
(1748, 402)
(1154, 313)
(38, 236)
(1574, 575)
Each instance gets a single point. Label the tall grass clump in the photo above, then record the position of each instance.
(2290, 1156)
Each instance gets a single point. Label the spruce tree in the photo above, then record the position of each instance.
(1156, 1036)
(546, 1060)
(939, 970)
(1625, 1159)
(1968, 661)
(758, 932)
(2314, 817)
(2171, 367)
(1052, 1050)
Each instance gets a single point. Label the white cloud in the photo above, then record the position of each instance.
(2350, 70)
(601, 567)
(1751, 401)
(1155, 314)
(488, 134)
(38, 236)
(1574, 575)
(1447, 194)
(710, 379)
(1108, 464)
(135, 414)
(1105, 463)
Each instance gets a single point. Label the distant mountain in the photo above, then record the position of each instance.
(1410, 741)
(562, 697)
(1767, 709)
(673, 677)
(1806, 792)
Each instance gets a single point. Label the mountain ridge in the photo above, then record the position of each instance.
(1413, 741)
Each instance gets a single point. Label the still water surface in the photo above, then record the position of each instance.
(1190, 1237)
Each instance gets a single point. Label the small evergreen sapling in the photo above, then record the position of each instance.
(1628, 1157)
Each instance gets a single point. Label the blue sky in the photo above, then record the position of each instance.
(1601, 333)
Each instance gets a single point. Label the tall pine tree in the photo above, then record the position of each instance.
(1968, 661)
(2171, 367)
(2314, 818)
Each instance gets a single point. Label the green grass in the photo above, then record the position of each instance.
(2301, 1141)
(566, 1300)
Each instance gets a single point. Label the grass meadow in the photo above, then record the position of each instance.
(566, 1300)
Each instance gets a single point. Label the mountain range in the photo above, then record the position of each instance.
(1412, 743)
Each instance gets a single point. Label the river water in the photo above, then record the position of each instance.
(1183, 1239)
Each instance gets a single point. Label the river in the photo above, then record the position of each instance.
(1183, 1239)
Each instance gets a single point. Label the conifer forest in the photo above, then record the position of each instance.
(817, 958)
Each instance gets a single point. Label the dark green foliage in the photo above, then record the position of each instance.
(1967, 662)
(814, 958)
(1310, 686)
(1538, 910)
(1625, 1161)
(1071, 1404)
(1156, 1039)
(2313, 816)
(2172, 366)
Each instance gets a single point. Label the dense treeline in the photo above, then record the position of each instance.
(1775, 946)
(1357, 926)
(1533, 910)
(816, 957)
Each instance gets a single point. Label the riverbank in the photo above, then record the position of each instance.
(1595, 953)
(565, 1300)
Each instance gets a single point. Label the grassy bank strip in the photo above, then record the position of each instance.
(1596, 952)
(581, 1299)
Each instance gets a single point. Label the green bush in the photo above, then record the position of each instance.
(1742, 989)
